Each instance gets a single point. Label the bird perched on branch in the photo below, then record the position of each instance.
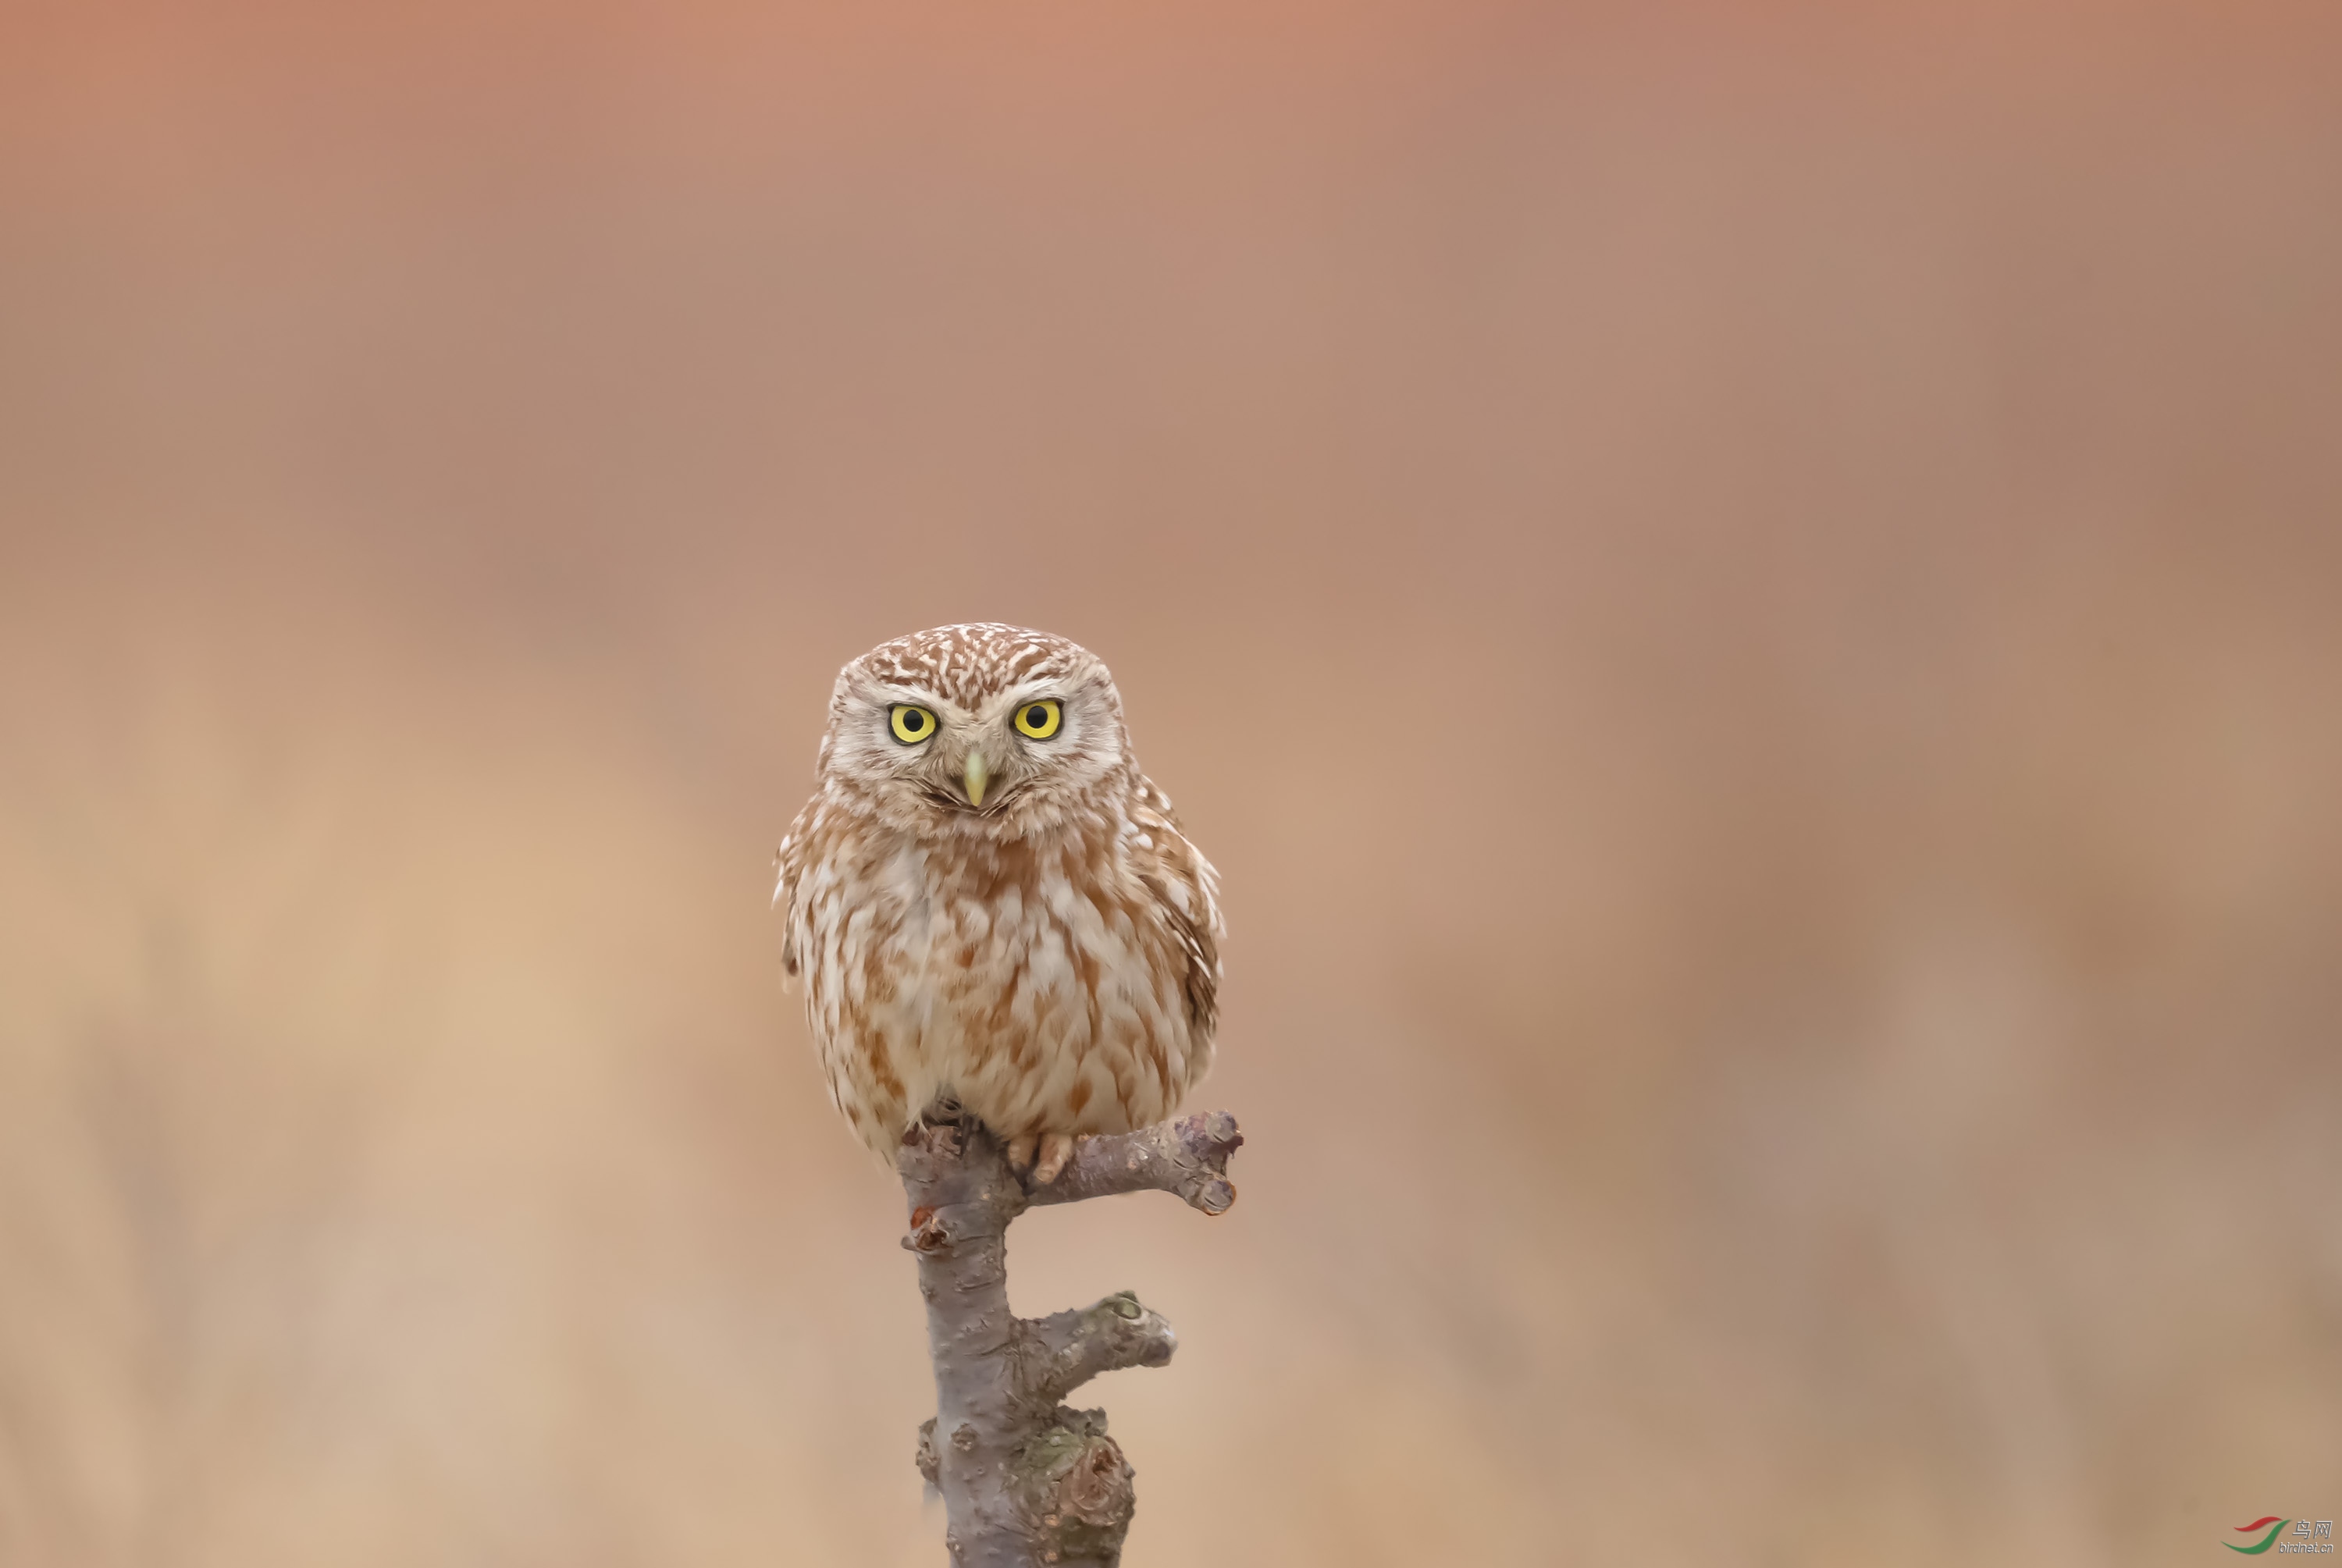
(989, 904)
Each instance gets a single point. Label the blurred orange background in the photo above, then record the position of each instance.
(1745, 598)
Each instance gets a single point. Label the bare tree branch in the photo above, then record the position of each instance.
(1188, 1158)
(1027, 1482)
(1076, 1346)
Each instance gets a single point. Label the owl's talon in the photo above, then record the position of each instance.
(1020, 1154)
(1056, 1148)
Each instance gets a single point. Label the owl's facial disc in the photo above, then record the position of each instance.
(954, 748)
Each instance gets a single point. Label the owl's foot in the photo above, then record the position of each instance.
(1056, 1148)
(1042, 1155)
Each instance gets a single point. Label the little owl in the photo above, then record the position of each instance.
(989, 904)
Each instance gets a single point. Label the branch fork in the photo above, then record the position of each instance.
(1026, 1481)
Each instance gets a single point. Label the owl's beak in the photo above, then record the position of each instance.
(976, 778)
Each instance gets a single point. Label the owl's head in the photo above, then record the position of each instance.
(984, 729)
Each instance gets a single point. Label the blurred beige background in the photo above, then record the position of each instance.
(1745, 598)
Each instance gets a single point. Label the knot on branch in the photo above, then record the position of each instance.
(1072, 1487)
(929, 1232)
(930, 1463)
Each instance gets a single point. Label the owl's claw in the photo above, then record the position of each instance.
(1042, 1155)
(1056, 1148)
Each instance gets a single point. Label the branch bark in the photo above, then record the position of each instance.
(1027, 1482)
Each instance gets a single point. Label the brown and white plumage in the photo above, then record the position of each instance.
(1027, 933)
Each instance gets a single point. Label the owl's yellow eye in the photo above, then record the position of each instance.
(1039, 720)
(913, 724)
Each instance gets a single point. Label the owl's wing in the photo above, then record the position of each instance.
(789, 861)
(1187, 893)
